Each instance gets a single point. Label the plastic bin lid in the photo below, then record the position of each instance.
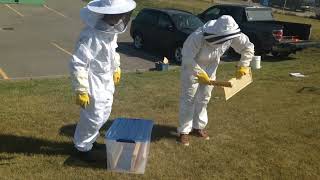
(130, 130)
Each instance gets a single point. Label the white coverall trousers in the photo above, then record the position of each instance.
(95, 115)
(92, 67)
(194, 99)
(202, 50)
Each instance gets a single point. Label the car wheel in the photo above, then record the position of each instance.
(178, 54)
(138, 41)
(280, 54)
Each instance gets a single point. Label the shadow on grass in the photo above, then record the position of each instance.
(30, 145)
(158, 131)
(309, 90)
(265, 58)
(69, 129)
(100, 156)
(33, 146)
(270, 58)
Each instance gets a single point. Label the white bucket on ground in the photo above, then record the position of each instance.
(256, 62)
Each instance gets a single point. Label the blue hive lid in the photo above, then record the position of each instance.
(130, 130)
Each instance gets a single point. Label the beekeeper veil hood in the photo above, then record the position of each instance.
(221, 30)
(110, 16)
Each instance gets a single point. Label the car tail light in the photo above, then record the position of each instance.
(295, 38)
(277, 34)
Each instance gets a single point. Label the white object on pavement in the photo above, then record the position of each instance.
(297, 74)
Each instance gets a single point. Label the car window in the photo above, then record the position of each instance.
(147, 17)
(224, 11)
(234, 12)
(141, 16)
(259, 14)
(164, 21)
(186, 21)
(213, 13)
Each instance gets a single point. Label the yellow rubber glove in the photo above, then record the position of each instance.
(203, 78)
(82, 99)
(117, 76)
(241, 71)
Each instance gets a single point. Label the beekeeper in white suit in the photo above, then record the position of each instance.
(200, 59)
(95, 67)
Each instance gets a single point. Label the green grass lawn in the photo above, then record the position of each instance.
(267, 131)
(270, 130)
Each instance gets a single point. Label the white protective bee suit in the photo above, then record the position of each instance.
(92, 66)
(202, 50)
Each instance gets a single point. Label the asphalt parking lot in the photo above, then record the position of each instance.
(37, 41)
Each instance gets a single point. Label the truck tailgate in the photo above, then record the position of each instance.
(305, 44)
(296, 46)
(303, 31)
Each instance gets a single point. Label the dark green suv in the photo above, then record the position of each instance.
(164, 30)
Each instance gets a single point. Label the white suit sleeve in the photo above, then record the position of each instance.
(116, 56)
(116, 62)
(191, 48)
(79, 64)
(243, 46)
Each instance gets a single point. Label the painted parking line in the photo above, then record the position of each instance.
(61, 48)
(14, 10)
(39, 77)
(7, 29)
(3, 74)
(55, 11)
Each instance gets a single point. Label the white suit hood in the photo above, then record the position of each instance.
(111, 6)
(90, 18)
(94, 20)
(221, 30)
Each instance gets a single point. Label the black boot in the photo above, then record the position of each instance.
(86, 156)
(98, 146)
